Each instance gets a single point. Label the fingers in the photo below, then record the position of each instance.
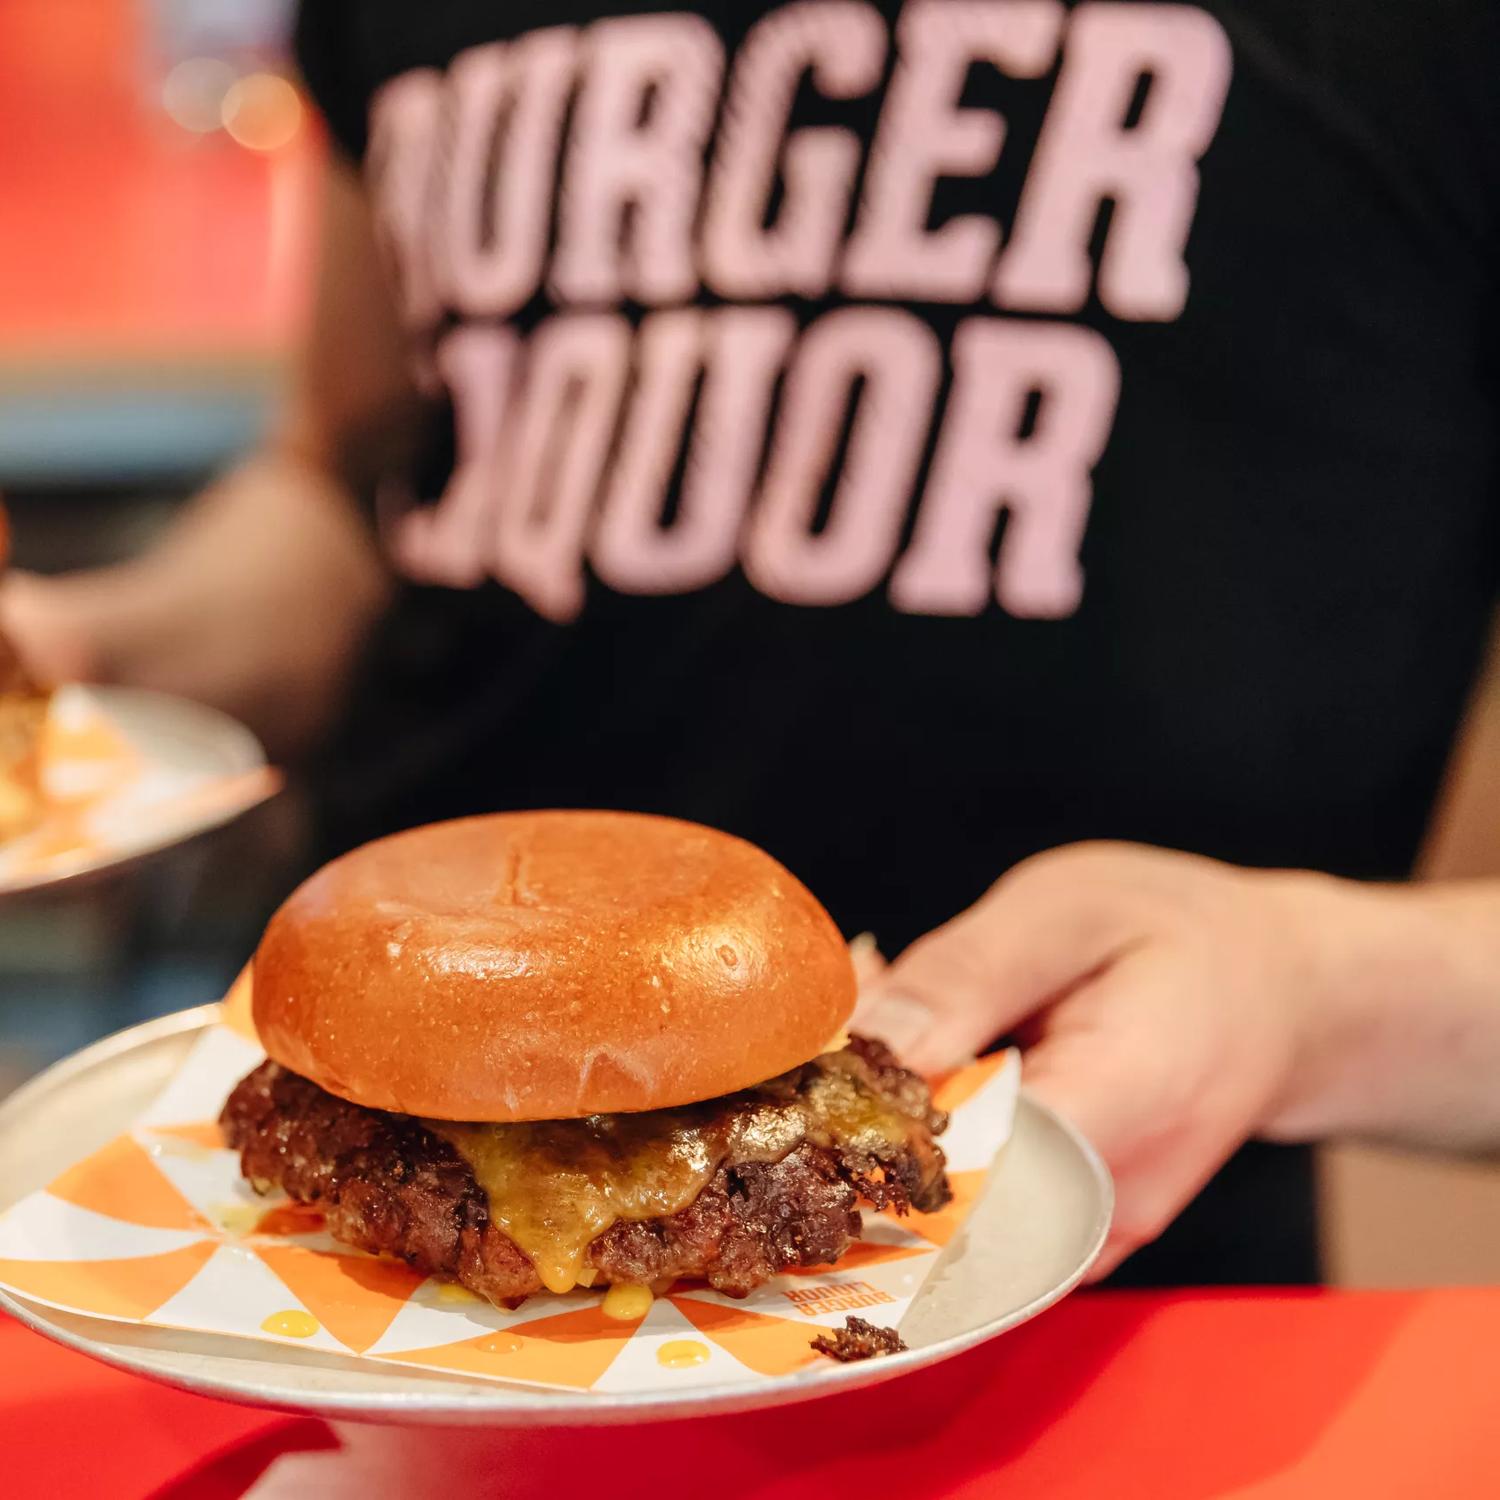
(900, 1022)
(1142, 1074)
(1117, 1249)
(1077, 1076)
(1108, 1060)
(1031, 939)
(869, 962)
(1102, 952)
(45, 631)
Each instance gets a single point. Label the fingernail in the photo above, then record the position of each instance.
(866, 958)
(897, 1020)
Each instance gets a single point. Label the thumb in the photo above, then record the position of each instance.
(1022, 946)
(45, 626)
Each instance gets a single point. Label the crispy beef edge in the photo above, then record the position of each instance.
(858, 1340)
(389, 1186)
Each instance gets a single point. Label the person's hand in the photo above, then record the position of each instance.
(256, 600)
(1167, 1003)
(50, 623)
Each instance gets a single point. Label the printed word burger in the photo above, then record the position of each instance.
(537, 1051)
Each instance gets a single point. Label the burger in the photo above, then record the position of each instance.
(536, 1051)
(23, 711)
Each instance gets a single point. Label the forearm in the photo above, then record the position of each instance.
(255, 600)
(259, 595)
(1403, 1042)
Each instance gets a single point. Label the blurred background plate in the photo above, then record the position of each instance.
(1035, 1231)
(172, 736)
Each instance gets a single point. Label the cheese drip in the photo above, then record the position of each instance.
(554, 1186)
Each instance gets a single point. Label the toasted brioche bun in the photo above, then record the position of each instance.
(539, 966)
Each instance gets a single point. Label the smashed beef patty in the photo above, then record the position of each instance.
(847, 1126)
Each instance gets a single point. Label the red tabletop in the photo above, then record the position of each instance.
(1301, 1396)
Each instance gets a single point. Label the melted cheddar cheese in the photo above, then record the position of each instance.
(554, 1186)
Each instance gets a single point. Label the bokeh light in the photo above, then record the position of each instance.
(194, 92)
(262, 111)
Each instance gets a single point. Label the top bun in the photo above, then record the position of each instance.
(551, 965)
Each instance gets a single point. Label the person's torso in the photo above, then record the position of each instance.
(912, 436)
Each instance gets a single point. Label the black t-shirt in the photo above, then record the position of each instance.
(915, 436)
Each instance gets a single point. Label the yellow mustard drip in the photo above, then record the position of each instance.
(291, 1324)
(679, 1354)
(499, 1343)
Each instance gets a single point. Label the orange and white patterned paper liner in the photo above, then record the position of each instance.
(159, 1228)
(107, 800)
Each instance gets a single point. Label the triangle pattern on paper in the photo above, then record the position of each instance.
(654, 1358)
(986, 1119)
(441, 1312)
(42, 1227)
(236, 1293)
(355, 1297)
(946, 1222)
(120, 1181)
(768, 1345)
(206, 1134)
(131, 1289)
(210, 1181)
(218, 1060)
(957, 1088)
(573, 1349)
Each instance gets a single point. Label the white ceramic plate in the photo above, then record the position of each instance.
(1036, 1229)
(175, 736)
